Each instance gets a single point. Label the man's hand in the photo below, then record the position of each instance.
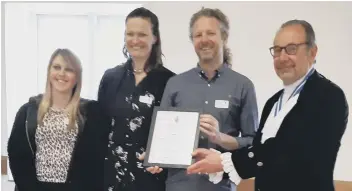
(154, 169)
(208, 161)
(210, 126)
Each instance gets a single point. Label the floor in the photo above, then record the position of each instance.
(6, 185)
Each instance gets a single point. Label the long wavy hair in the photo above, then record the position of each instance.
(73, 105)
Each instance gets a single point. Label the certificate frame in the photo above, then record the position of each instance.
(157, 109)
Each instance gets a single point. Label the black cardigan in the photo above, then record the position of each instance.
(22, 147)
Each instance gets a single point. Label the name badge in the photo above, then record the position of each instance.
(222, 104)
(146, 99)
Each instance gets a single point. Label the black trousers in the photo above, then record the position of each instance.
(50, 186)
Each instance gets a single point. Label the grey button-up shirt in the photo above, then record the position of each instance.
(229, 97)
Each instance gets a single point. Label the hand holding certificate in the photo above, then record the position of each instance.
(173, 137)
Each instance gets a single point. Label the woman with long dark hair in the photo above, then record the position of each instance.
(128, 94)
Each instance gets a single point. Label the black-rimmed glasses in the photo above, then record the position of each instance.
(290, 49)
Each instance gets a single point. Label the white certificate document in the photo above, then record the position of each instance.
(172, 139)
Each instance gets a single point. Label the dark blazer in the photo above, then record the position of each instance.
(302, 155)
(22, 147)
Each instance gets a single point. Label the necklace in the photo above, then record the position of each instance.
(138, 71)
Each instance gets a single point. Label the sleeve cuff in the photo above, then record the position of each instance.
(230, 168)
(216, 177)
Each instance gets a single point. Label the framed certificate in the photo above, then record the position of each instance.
(173, 136)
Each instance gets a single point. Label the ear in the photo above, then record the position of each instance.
(313, 52)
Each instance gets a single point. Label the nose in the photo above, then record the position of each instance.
(283, 56)
(62, 72)
(204, 38)
(134, 39)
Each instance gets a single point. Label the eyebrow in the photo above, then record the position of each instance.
(286, 44)
(67, 66)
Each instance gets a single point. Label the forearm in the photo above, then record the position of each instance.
(231, 143)
(227, 142)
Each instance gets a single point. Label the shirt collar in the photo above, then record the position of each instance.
(290, 88)
(220, 70)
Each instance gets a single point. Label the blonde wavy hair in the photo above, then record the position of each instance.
(73, 106)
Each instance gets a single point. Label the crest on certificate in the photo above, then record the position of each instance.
(176, 119)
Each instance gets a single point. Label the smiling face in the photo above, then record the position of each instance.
(62, 76)
(206, 37)
(295, 63)
(139, 37)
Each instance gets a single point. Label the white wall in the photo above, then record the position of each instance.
(94, 32)
(253, 26)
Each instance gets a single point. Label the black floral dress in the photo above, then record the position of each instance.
(130, 129)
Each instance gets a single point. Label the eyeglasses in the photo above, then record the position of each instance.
(290, 49)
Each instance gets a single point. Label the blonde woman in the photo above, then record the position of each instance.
(46, 147)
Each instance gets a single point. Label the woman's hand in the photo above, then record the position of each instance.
(153, 169)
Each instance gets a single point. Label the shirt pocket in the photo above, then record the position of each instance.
(230, 116)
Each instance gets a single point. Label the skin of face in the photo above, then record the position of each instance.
(62, 76)
(139, 38)
(290, 68)
(207, 40)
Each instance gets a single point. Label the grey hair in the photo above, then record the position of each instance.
(310, 34)
(224, 28)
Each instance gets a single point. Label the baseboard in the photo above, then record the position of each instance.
(248, 185)
(3, 165)
(245, 185)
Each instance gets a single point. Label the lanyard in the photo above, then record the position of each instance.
(296, 91)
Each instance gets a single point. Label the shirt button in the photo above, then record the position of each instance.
(209, 85)
(127, 136)
(259, 164)
(250, 154)
(202, 137)
(206, 102)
